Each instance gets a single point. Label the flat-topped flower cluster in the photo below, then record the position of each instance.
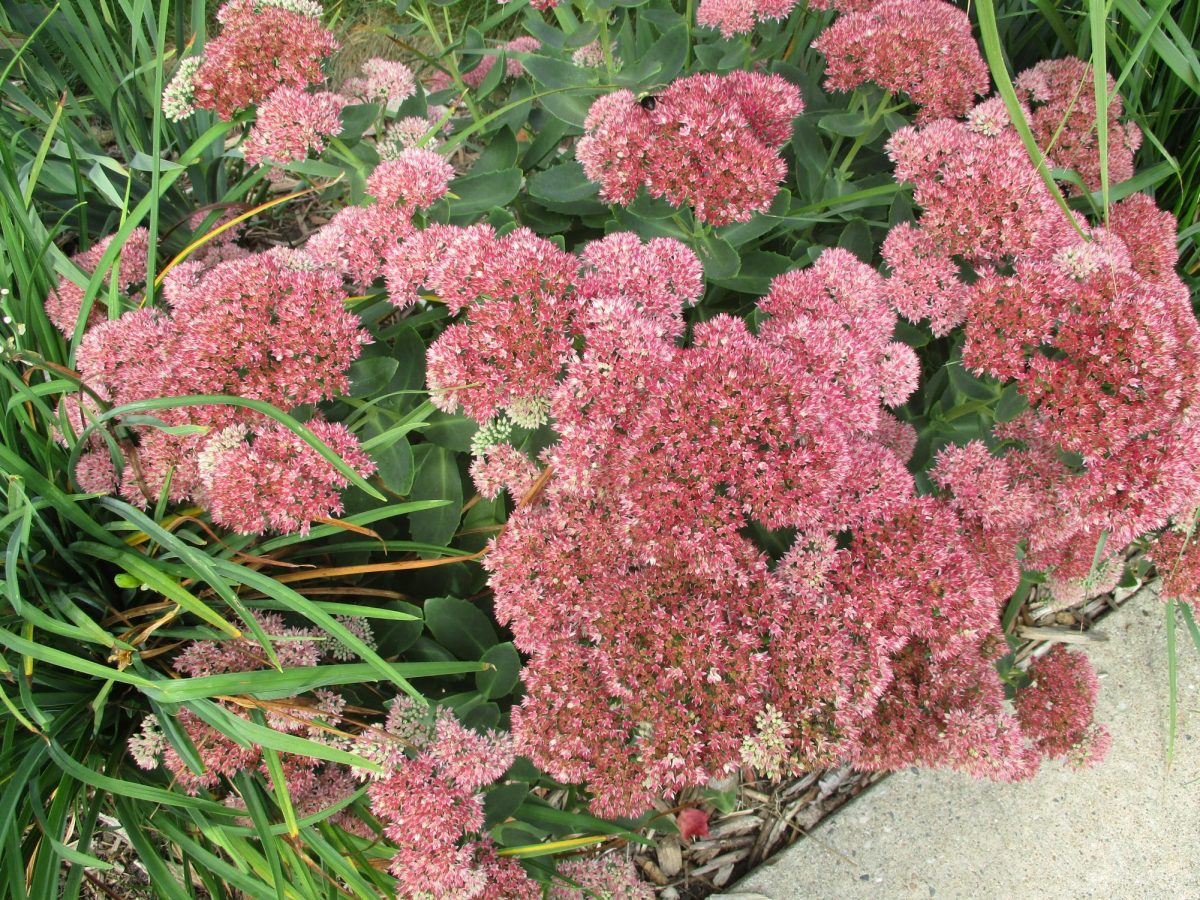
(270, 327)
(717, 556)
(270, 54)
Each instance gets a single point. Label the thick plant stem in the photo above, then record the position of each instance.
(860, 141)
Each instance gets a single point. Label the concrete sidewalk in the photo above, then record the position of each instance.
(1128, 829)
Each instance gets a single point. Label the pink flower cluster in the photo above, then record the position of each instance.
(1055, 710)
(275, 482)
(263, 45)
(65, 301)
(512, 68)
(708, 141)
(267, 327)
(922, 48)
(292, 123)
(740, 16)
(666, 648)
(359, 239)
(268, 53)
(429, 801)
(427, 794)
(382, 81)
(1061, 95)
(607, 877)
(1095, 331)
(1177, 559)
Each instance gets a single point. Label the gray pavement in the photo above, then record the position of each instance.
(1129, 828)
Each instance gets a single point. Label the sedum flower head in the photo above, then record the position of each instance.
(277, 482)
(382, 81)
(261, 47)
(65, 301)
(404, 134)
(291, 124)
(416, 178)
(1056, 708)
(179, 96)
(1062, 100)
(710, 142)
(608, 877)
(740, 16)
(922, 48)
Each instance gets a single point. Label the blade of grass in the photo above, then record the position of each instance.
(999, 69)
(1097, 22)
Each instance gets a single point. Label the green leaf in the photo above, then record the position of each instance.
(846, 124)
(356, 119)
(485, 717)
(556, 73)
(910, 334)
(561, 821)
(500, 153)
(967, 384)
(248, 733)
(565, 188)
(740, 233)
(395, 466)
(409, 351)
(499, 680)
(274, 685)
(495, 75)
(451, 431)
(478, 194)
(1012, 404)
(670, 51)
(758, 267)
(500, 803)
(460, 626)
(571, 105)
(437, 478)
(720, 260)
(370, 375)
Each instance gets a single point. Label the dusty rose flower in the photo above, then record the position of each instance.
(1062, 97)
(274, 481)
(357, 241)
(710, 142)
(65, 301)
(382, 81)
(1177, 559)
(740, 16)
(291, 124)
(405, 134)
(503, 467)
(923, 48)
(260, 48)
(512, 68)
(608, 876)
(432, 810)
(1056, 709)
(415, 178)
